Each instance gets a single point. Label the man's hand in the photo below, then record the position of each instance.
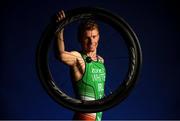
(60, 16)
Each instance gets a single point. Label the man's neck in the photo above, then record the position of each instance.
(90, 54)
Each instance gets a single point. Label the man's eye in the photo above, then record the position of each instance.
(85, 39)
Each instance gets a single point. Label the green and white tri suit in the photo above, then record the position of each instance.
(91, 86)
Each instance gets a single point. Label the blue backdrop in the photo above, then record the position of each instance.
(156, 24)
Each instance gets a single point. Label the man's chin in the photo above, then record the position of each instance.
(90, 50)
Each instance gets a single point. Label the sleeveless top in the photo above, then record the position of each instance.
(91, 86)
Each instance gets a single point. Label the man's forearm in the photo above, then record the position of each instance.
(60, 41)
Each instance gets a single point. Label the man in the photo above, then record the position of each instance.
(87, 68)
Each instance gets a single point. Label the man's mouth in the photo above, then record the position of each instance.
(91, 47)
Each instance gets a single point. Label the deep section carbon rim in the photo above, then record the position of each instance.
(123, 90)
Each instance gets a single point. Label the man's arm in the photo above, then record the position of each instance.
(66, 57)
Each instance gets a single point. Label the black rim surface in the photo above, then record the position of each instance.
(135, 60)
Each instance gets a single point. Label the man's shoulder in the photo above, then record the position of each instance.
(100, 58)
(76, 53)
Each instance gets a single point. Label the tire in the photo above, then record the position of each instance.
(123, 90)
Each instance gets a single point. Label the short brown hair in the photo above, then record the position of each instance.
(88, 24)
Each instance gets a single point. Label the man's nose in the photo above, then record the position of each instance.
(90, 40)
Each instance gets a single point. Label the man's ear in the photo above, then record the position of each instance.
(99, 36)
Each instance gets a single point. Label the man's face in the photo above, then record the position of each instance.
(90, 40)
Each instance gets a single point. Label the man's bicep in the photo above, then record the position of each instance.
(69, 58)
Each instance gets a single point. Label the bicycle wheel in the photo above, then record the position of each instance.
(123, 90)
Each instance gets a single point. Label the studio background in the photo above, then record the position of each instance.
(156, 23)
